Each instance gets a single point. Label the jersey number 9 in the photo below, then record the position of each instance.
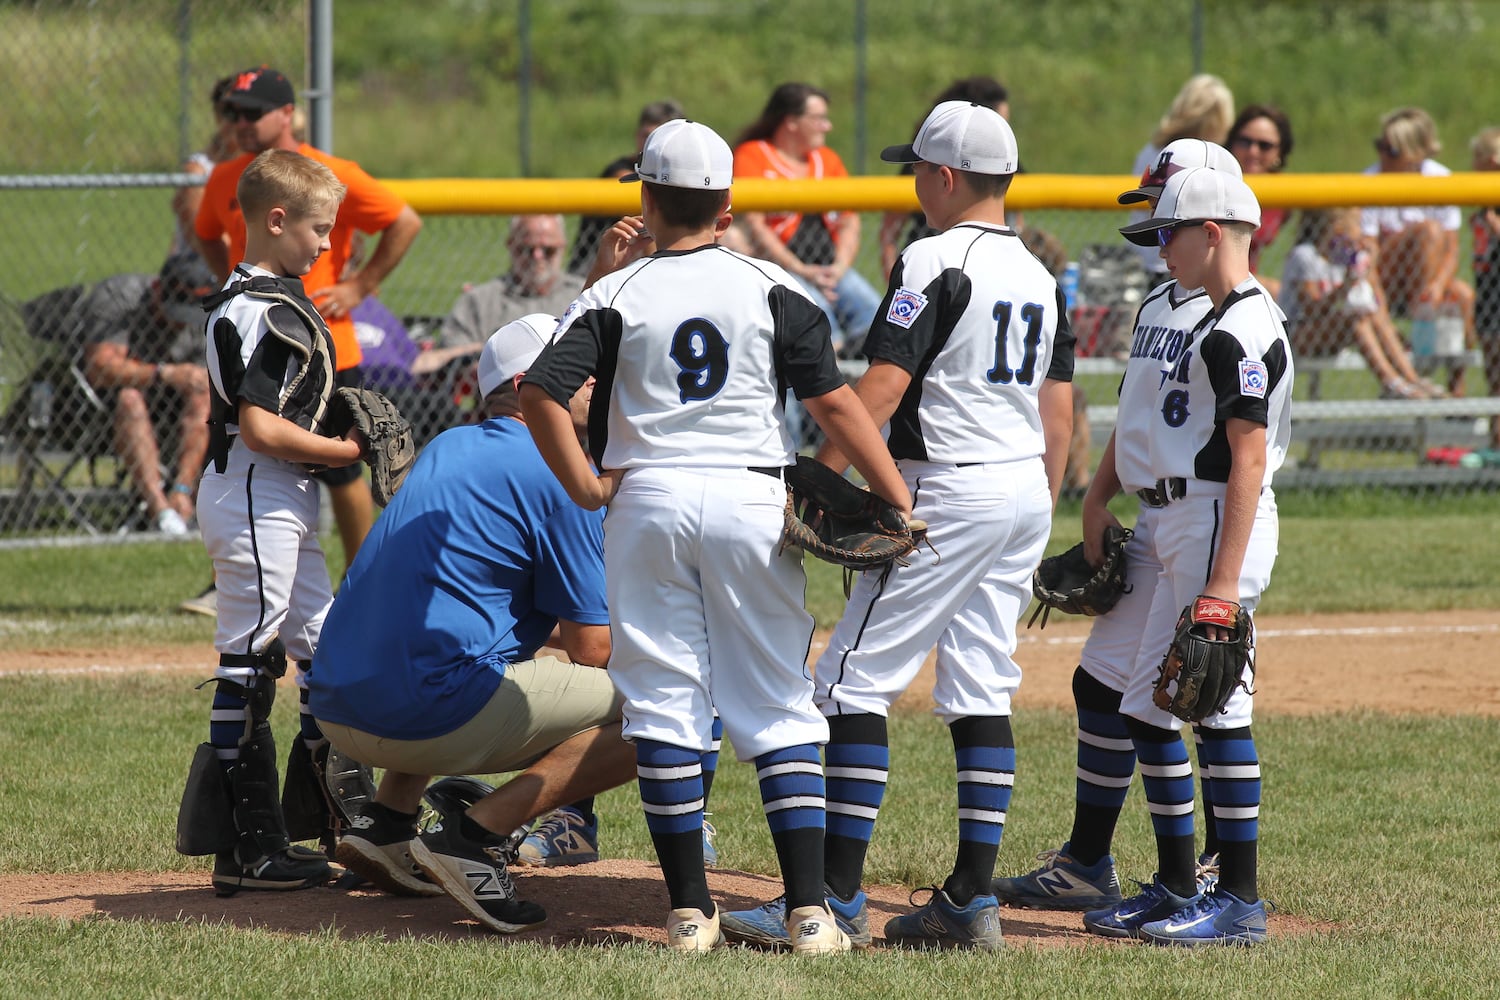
(702, 353)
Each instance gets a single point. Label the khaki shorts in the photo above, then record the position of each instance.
(540, 703)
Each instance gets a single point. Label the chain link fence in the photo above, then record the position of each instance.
(103, 120)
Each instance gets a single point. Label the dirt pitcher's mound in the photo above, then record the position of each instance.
(609, 902)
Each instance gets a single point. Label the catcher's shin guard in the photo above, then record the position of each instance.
(262, 857)
(205, 817)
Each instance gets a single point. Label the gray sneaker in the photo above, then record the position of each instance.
(1061, 883)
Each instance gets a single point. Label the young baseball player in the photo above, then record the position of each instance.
(1206, 426)
(971, 364)
(271, 364)
(1081, 875)
(693, 347)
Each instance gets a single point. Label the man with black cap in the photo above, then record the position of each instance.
(263, 104)
(144, 349)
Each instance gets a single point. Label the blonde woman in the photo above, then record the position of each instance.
(1202, 109)
(1418, 260)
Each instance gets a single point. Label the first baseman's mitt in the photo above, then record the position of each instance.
(1069, 584)
(1206, 671)
(829, 517)
(390, 448)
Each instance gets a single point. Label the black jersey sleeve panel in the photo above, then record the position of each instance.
(1064, 344)
(910, 345)
(266, 374)
(803, 339)
(590, 346)
(1222, 355)
(948, 296)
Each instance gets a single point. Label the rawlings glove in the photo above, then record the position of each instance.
(1069, 584)
(390, 449)
(1205, 671)
(829, 517)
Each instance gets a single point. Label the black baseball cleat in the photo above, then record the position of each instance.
(379, 848)
(474, 873)
(292, 868)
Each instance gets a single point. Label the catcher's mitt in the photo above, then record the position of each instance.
(1069, 584)
(390, 449)
(1206, 671)
(829, 517)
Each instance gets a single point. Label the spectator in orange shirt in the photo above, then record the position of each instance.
(787, 143)
(264, 107)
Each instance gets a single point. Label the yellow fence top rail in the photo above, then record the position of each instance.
(471, 196)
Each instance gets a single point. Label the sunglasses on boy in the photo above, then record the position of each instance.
(1165, 234)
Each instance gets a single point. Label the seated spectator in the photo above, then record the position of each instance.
(1202, 109)
(1261, 140)
(1485, 226)
(1330, 300)
(591, 227)
(787, 142)
(535, 283)
(1418, 260)
(143, 352)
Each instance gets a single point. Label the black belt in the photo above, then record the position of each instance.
(1165, 491)
(774, 471)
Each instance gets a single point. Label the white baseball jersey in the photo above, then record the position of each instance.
(979, 322)
(693, 353)
(1185, 378)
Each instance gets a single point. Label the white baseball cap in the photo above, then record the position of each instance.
(1177, 155)
(962, 136)
(512, 349)
(1197, 193)
(685, 154)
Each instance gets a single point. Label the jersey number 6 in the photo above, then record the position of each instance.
(1003, 373)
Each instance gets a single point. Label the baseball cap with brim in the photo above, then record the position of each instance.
(261, 88)
(512, 349)
(685, 154)
(962, 136)
(1179, 155)
(184, 280)
(1197, 194)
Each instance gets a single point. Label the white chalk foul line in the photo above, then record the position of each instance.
(1306, 633)
(96, 669)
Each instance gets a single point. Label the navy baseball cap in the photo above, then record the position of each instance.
(261, 88)
(184, 280)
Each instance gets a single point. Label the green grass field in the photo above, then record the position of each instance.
(1377, 830)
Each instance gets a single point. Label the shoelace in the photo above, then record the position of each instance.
(931, 890)
(1050, 859)
(1208, 866)
(557, 825)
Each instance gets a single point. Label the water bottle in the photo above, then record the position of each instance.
(1069, 285)
(1423, 335)
(39, 413)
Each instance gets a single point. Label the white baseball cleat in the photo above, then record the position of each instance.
(814, 931)
(689, 930)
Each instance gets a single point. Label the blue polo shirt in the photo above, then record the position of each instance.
(469, 569)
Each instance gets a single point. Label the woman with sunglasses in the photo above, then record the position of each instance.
(1261, 140)
(1418, 260)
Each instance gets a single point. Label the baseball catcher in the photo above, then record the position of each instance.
(390, 449)
(829, 517)
(1069, 584)
(1206, 660)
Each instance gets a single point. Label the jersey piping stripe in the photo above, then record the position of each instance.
(864, 622)
(260, 575)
